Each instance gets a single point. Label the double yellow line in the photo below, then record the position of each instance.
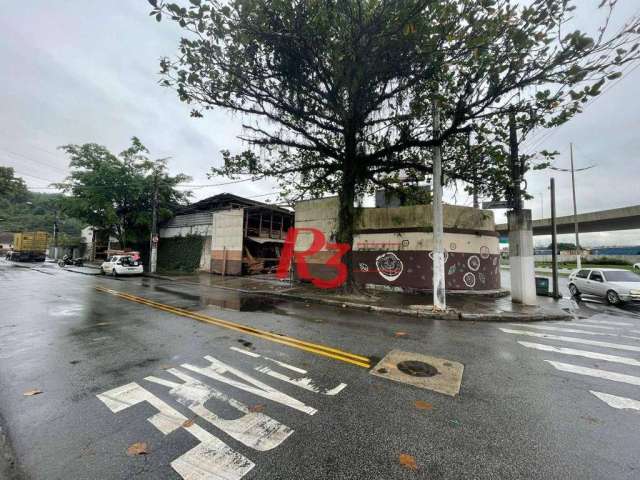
(318, 349)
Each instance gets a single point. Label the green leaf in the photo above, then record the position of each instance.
(159, 16)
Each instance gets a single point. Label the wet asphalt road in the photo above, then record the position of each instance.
(517, 415)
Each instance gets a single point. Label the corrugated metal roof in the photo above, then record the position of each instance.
(190, 220)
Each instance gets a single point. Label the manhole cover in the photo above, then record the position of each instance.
(417, 369)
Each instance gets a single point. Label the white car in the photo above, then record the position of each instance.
(636, 267)
(615, 285)
(121, 265)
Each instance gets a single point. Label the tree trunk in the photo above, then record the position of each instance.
(347, 218)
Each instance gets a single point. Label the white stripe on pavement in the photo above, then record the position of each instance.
(608, 322)
(571, 330)
(595, 372)
(562, 338)
(581, 353)
(620, 403)
(579, 324)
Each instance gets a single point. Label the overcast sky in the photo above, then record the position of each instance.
(86, 71)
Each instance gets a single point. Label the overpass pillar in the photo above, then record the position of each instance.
(523, 276)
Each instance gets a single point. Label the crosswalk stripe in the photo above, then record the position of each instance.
(571, 330)
(582, 353)
(579, 324)
(608, 322)
(562, 338)
(595, 372)
(621, 403)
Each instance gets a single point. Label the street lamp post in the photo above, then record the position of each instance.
(573, 170)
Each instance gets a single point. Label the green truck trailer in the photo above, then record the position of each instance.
(29, 247)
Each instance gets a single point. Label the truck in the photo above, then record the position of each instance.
(29, 247)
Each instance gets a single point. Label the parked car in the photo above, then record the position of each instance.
(121, 265)
(615, 285)
(636, 267)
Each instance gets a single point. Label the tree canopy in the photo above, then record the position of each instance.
(115, 192)
(337, 95)
(22, 210)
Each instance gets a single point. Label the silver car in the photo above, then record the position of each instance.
(615, 285)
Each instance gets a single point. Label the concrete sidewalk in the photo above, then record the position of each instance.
(461, 306)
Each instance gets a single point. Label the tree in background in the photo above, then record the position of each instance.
(337, 95)
(115, 192)
(22, 210)
(12, 188)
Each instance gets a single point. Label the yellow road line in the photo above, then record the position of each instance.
(318, 349)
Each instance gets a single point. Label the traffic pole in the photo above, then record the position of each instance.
(554, 239)
(153, 247)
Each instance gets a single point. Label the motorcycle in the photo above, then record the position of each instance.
(67, 260)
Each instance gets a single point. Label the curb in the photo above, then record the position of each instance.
(451, 315)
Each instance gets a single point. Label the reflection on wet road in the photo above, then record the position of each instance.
(536, 401)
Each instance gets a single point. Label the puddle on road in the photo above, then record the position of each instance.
(228, 300)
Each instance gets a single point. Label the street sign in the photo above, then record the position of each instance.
(496, 204)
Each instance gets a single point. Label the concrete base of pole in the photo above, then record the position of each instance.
(523, 276)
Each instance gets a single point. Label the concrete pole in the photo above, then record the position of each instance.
(523, 275)
(575, 212)
(439, 295)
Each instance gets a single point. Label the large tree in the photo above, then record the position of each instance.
(115, 192)
(337, 95)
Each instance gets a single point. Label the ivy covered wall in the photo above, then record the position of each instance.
(180, 254)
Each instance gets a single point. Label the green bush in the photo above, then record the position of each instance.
(180, 254)
(607, 261)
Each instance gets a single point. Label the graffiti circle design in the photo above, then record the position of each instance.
(389, 266)
(473, 263)
(469, 279)
(484, 252)
(405, 243)
(445, 255)
(453, 246)
(364, 267)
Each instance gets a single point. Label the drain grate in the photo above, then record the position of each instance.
(415, 368)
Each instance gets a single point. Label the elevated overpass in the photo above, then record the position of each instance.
(627, 218)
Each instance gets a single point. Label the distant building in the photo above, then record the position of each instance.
(241, 235)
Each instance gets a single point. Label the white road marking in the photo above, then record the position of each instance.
(253, 429)
(218, 369)
(212, 459)
(579, 324)
(582, 353)
(570, 330)
(607, 322)
(306, 383)
(620, 403)
(595, 372)
(246, 352)
(584, 341)
(277, 362)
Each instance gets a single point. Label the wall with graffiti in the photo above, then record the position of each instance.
(393, 246)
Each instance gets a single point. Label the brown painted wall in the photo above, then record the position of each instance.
(234, 262)
(414, 269)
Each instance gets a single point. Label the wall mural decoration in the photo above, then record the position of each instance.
(389, 266)
(469, 279)
(453, 246)
(473, 263)
(364, 267)
(484, 252)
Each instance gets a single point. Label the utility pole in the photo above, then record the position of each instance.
(439, 295)
(523, 285)
(153, 250)
(55, 235)
(470, 159)
(575, 212)
(554, 239)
